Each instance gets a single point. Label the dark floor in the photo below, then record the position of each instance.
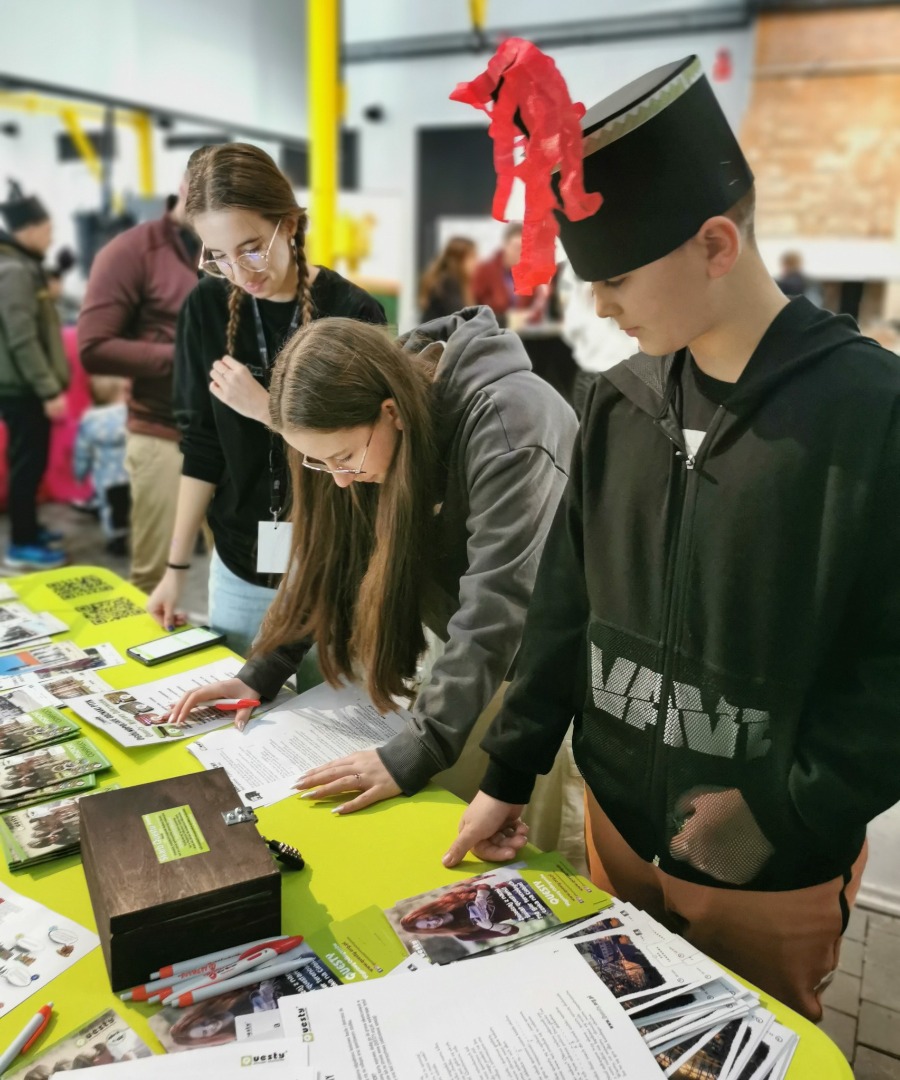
(85, 546)
(862, 1006)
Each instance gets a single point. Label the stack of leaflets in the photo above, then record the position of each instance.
(49, 772)
(20, 627)
(50, 830)
(504, 908)
(38, 662)
(697, 1020)
(6, 593)
(21, 731)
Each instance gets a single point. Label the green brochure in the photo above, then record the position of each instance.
(23, 774)
(28, 731)
(360, 948)
(47, 831)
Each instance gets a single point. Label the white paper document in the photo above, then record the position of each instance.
(531, 1015)
(274, 1059)
(136, 717)
(36, 944)
(266, 759)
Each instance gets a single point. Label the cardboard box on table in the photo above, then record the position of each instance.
(151, 912)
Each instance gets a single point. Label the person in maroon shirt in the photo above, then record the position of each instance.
(137, 285)
(493, 283)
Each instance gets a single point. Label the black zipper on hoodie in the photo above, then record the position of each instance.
(688, 479)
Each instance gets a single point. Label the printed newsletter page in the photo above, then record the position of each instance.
(532, 1015)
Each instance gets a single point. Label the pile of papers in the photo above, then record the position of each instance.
(49, 772)
(521, 971)
(19, 626)
(21, 731)
(36, 663)
(45, 831)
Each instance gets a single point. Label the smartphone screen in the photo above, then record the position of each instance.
(173, 644)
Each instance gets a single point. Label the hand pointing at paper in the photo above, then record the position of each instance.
(227, 688)
(363, 772)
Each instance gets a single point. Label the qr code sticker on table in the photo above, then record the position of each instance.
(107, 611)
(86, 585)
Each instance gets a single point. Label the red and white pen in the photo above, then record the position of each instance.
(24, 1041)
(252, 959)
(233, 704)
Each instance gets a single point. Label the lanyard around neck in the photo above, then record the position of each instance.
(276, 449)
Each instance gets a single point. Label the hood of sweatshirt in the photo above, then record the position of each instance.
(648, 380)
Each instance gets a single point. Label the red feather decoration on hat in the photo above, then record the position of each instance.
(522, 80)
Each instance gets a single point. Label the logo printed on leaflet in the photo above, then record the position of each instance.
(305, 1026)
(341, 966)
(544, 889)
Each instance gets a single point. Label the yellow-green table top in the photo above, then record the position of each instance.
(375, 856)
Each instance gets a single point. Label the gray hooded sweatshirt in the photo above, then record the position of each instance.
(505, 438)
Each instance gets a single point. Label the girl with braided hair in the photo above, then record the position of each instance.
(257, 289)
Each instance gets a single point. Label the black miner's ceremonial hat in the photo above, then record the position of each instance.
(665, 159)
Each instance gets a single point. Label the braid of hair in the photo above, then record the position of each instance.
(304, 297)
(235, 296)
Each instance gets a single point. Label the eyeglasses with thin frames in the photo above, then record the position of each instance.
(255, 262)
(320, 466)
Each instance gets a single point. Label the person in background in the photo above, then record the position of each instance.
(256, 291)
(100, 456)
(718, 603)
(596, 344)
(446, 285)
(136, 288)
(34, 374)
(67, 307)
(493, 284)
(793, 280)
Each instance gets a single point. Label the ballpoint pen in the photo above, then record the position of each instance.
(247, 978)
(24, 1041)
(252, 959)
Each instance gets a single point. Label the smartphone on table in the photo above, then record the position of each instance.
(170, 647)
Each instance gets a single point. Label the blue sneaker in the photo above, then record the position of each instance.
(33, 557)
(49, 537)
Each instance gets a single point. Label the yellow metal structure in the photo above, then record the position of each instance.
(477, 13)
(72, 113)
(323, 31)
(82, 143)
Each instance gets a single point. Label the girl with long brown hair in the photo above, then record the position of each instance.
(446, 285)
(425, 476)
(257, 289)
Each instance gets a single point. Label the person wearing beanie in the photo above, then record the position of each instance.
(718, 602)
(34, 374)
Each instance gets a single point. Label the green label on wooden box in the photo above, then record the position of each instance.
(174, 833)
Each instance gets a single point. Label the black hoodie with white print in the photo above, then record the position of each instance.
(724, 625)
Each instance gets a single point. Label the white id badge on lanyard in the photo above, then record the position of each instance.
(273, 547)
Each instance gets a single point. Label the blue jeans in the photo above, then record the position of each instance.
(236, 607)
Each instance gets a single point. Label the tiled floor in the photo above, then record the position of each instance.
(862, 1005)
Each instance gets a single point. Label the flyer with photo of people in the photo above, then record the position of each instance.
(21, 731)
(502, 906)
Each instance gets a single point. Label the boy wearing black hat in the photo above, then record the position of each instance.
(34, 374)
(718, 603)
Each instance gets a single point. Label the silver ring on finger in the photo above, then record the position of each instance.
(357, 777)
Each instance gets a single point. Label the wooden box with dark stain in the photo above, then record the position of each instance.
(150, 912)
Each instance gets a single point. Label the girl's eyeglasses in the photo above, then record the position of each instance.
(252, 261)
(320, 466)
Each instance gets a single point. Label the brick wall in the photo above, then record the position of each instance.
(822, 132)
